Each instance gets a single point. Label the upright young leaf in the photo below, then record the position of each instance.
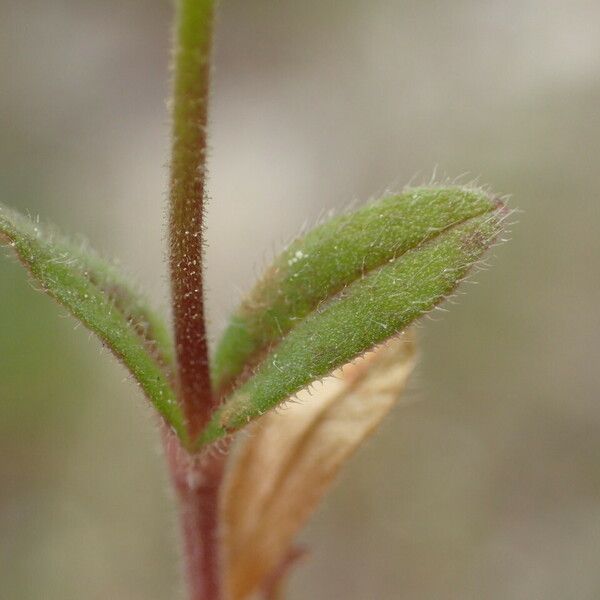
(332, 256)
(99, 296)
(412, 278)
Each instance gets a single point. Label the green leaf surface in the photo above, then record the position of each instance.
(97, 294)
(345, 287)
(329, 258)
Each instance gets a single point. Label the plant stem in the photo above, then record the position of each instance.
(197, 481)
(187, 192)
(196, 478)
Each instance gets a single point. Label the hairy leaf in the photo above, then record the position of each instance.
(101, 298)
(281, 470)
(380, 303)
(332, 256)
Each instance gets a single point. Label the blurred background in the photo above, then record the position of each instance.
(487, 484)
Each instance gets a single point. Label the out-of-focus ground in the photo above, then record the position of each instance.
(487, 485)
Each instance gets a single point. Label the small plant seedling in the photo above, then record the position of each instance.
(328, 325)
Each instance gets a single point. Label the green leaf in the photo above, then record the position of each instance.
(345, 287)
(96, 293)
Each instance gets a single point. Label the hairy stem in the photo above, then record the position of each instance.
(187, 193)
(197, 481)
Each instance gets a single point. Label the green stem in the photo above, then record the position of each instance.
(187, 193)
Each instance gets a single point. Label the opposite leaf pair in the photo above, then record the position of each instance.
(332, 295)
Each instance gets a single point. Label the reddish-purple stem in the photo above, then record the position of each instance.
(196, 478)
(197, 481)
(186, 208)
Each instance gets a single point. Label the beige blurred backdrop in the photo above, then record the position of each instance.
(487, 483)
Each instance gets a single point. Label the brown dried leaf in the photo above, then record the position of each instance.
(280, 471)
